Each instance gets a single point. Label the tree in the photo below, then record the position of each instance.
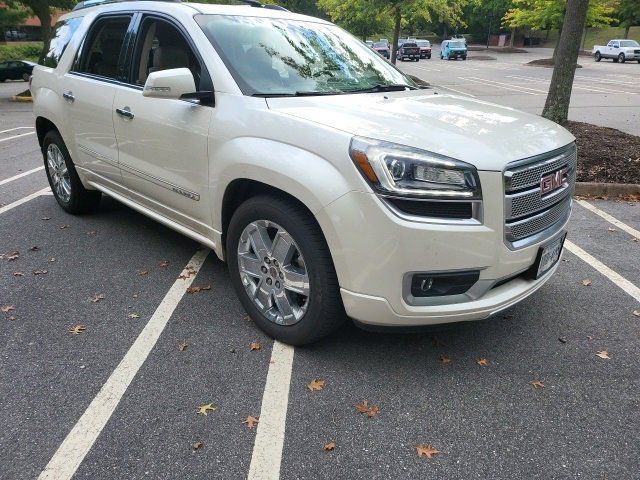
(42, 9)
(11, 17)
(628, 14)
(357, 16)
(556, 107)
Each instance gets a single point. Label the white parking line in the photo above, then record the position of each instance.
(615, 277)
(16, 136)
(17, 203)
(20, 175)
(16, 128)
(267, 449)
(609, 218)
(82, 436)
(505, 86)
(454, 90)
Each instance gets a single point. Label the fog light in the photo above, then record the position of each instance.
(442, 284)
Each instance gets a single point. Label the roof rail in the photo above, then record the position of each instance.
(93, 3)
(257, 4)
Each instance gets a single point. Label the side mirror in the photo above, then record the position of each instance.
(172, 83)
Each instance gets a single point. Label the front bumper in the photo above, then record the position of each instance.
(373, 249)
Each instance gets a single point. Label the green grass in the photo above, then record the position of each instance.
(20, 51)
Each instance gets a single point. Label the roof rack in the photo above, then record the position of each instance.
(93, 3)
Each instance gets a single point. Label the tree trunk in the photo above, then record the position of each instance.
(512, 37)
(555, 49)
(626, 30)
(584, 37)
(396, 34)
(556, 107)
(43, 13)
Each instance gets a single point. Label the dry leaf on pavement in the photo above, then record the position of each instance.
(603, 354)
(444, 359)
(198, 289)
(7, 308)
(364, 407)
(329, 446)
(91, 232)
(62, 227)
(426, 450)
(143, 272)
(13, 256)
(611, 229)
(133, 315)
(18, 274)
(254, 346)
(203, 409)
(182, 346)
(96, 298)
(251, 422)
(196, 446)
(483, 362)
(315, 385)
(35, 248)
(77, 329)
(164, 264)
(40, 272)
(586, 282)
(537, 384)
(636, 313)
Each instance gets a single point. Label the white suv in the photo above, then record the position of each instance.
(329, 181)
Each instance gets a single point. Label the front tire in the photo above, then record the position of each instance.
(621, 58)
(282, 270)
(63, 177)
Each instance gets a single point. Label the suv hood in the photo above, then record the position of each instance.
(480, 133)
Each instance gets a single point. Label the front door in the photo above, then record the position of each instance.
(90, 88)
(162, 143)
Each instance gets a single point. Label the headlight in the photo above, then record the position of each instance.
(397, 170)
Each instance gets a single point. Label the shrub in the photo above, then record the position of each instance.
(20, 51)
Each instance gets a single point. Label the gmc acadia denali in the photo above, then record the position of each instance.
(331, 184)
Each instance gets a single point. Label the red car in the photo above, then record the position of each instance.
(425, 48)
(382, 48)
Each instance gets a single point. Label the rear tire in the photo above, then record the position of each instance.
(63, 177)
(321, 309)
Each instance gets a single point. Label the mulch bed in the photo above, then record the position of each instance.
(605, 154)
(481, 57)
(545, 62)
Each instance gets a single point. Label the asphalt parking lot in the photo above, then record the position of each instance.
(121, 398)
(604, 93)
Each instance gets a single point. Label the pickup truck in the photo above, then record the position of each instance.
(619, 50)
(409, 50)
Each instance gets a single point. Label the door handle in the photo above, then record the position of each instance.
(68, 96)
(124, 112)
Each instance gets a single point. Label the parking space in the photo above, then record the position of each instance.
(521, 395)
(604, 93)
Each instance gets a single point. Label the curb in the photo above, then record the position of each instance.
(17, 98)
(607, 189)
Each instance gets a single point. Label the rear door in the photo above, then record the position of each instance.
(89, 90)
(163, 143)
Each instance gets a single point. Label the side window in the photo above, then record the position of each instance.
(60, 38)
(101, 52)
(161, 46)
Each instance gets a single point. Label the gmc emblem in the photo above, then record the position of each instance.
(552, 182)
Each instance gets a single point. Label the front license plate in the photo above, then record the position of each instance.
(549, 255)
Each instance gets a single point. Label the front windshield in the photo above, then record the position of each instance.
(456, 45)
(629, 43)
(423, 43)
(275, 56)
(380, 45)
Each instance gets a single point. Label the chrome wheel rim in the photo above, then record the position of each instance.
(57, 167)
(273, 272)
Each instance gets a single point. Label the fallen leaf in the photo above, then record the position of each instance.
(247, 318)
(251, 422)
(62, 227)
(329, 446)
(143, 272)
(589, 337)
(203, 409)
(611, 229)
(426, 450)
(96, 298)
(562, 340)
(18, 274)
(636, 313)
(444, 359)
(315, 385)
(12, 318)
(77, 329)
(52, 259)
(603, 354)
(635, 239)
(164, 264)
(91, 232)
(586, 282)
(7, 308)
(254, 346)
(13, 256)
(483, 362)
(35, 248)
(537, 384)
(40, 272)
(508, 317)
(196, 446)
(364, 407)
(373, 411)
(45, 218)
(198, 289)
(133, 315)
(182, 346)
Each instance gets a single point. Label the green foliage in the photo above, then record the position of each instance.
(628, 13)
(360, 17)
(20, 51)
(548, 14)
(11, 17)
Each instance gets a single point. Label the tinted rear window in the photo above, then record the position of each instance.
(60, 38)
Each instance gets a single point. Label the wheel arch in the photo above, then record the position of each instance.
(44, 125)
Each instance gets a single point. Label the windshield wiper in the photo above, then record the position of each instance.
(393, 87)
(298, 94)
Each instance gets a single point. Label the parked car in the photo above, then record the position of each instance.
(346, 193)
(410, 51)
(453, 49)
(369, 43)
(619, 50)
(425, 48)
(16, 70)
(383, 49)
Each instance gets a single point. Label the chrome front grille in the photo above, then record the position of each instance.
(531, 216)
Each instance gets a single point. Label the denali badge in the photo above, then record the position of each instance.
(552, 182)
